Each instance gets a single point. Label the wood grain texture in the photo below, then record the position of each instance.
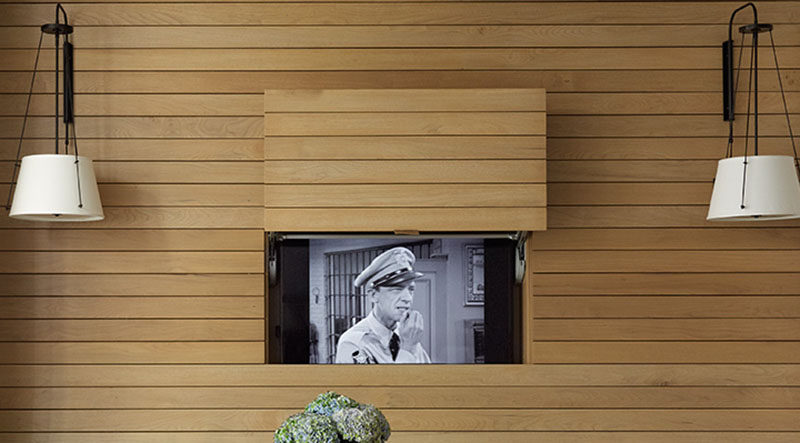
(131, 330)
(667, 329)
(632, 298)
(254, 82)
(369, 192)
(373, 100)
(131, 307)
(405, 219)
(740, 283)
(390, 59)
(405, 148)
(403, 397)
(404, 123)
(716, 306)
(383, 36)
(131, 262)
(143, 127)
(666, 261)
(389, 171)
(731, 239)
(162, 218)
(667, 352)
(377, 13)
(130, 240)
(400, 195)
(89, 285)
(171, 172)
(430, 420)
(126, 352)
(644, 375)
(403, 100)
(148, 149)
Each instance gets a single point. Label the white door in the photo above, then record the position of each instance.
(430, 292)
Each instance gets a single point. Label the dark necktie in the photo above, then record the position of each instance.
(394, 345)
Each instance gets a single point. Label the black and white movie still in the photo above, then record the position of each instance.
(390, 301)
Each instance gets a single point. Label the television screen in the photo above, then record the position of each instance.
(446, 300)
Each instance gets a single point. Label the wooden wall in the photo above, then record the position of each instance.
(649, 323)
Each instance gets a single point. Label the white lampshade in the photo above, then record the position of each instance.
(772, 189)
(47, 190)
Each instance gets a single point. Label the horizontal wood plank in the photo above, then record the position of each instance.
(369, 36)
(740, 283)
(403, 397)
(403, 100)
(425, 419)
(140, 105)
(165, 262)
(598, 193)
(408, 147)
(606, 103)
(718, 306)
(160, 218)
(130, 240)
(666, 261)
(143, 127)
(673, 147)
(254, 82)
(654, 375)
(406, 219)
(147, 149)
(123, 285)
(403, 195)
(393, 13)
(121, 352)
(170, 172)
(666, 329)
(662, 126)
(632, 171)
(404, 123)
(131, 307)
(664, 239)
(390, 59)
(130, 330)
(405, 171)
(194, 195)
(667, 352)
(643, 217)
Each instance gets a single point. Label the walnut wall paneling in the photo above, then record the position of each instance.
(405, 159)
(142, 340)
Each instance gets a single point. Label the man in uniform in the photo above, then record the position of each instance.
(391, 332)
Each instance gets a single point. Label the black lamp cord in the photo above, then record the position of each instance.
(785, 106)
(750, 94)
(24, 123)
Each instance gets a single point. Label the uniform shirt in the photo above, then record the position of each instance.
(371, 339)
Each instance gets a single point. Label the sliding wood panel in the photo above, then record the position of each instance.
(405, 160)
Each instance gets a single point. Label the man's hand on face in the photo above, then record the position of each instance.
(410, 330)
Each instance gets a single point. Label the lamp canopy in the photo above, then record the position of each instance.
(48, 189)
(753, 187)
(55, 187)
(763, 187)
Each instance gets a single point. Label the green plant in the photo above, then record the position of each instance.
(334, 418)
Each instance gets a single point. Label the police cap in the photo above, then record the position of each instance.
(391, 268)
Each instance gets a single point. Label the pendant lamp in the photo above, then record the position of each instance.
(60, 186)
(753, 187)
